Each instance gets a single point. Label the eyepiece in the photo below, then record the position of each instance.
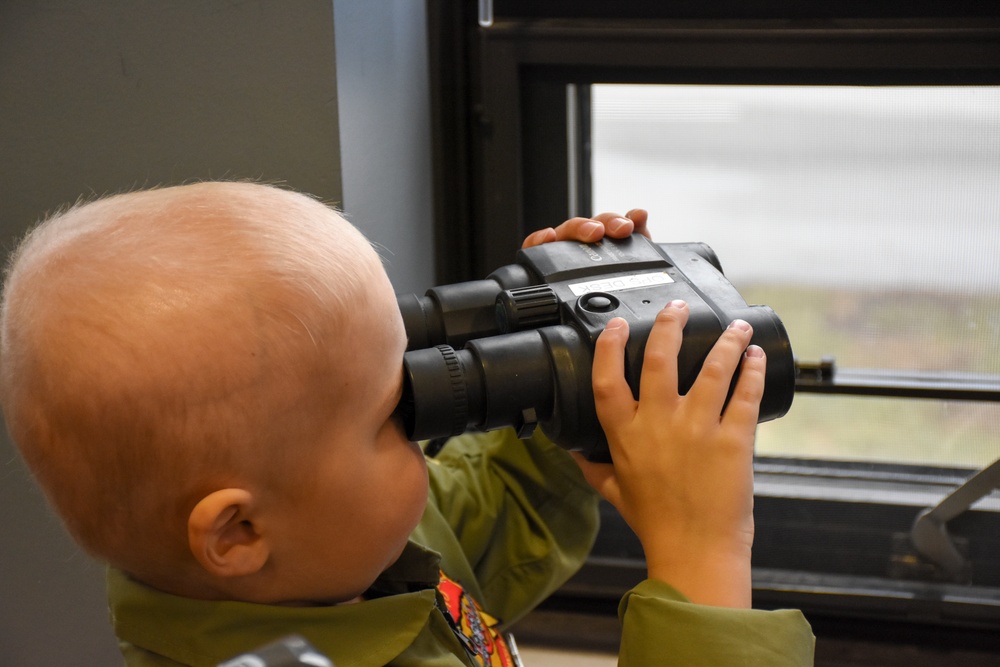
(493, 382)
(422, 327)
(437, 383)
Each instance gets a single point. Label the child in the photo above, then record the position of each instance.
(204, 380)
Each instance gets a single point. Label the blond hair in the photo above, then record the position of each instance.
(141, 334)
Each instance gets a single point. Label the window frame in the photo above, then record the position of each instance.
(487, 81)
(499, 106)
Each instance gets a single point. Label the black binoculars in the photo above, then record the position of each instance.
(516, 349)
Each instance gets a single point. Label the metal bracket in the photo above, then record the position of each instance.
(929, 533)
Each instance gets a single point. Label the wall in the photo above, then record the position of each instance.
(385, 144)
(104, 97)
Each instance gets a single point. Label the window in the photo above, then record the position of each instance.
(867, 217)
(857, 145)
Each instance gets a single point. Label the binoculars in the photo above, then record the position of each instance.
(516, 349)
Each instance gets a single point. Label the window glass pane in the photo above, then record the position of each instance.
(867, 217)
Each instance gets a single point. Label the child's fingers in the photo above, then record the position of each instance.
(639, 218)
(616, 225)
(658, 383)
(612, 396)
(586, 230)
(712, 384)
(591, 230)
(538, 237)
(744, 406)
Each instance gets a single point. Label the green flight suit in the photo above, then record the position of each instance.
(510, 521)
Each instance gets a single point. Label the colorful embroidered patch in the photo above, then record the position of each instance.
(474, 628)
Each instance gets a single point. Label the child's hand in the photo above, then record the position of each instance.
(683, 475)
(590, 230)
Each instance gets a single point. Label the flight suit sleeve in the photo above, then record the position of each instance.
(660, 627)
(522, 512)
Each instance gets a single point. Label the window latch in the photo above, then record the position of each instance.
(929, 534)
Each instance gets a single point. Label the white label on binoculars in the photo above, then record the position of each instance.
(620, 283)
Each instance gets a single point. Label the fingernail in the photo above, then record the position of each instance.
(617, 223)
(589, 228)
(755, 351)
(677, 303)
(615, 323)
(740, 324)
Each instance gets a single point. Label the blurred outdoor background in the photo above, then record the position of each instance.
(868, 218)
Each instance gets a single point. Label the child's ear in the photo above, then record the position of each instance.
(222, 534)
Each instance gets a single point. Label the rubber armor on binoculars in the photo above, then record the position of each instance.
(516, 349)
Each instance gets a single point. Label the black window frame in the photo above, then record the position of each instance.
(832, 537)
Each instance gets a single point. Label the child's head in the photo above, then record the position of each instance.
(202, 378)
